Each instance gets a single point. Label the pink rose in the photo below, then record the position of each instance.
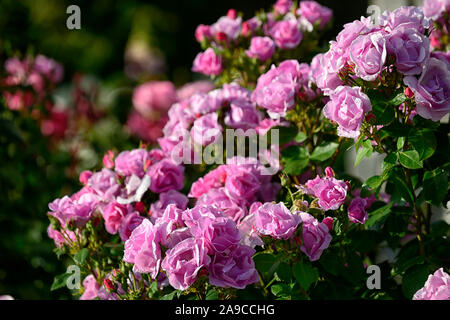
(331, 192)
(221, 199)
(276, 220)
(202, 32)
(183, 262)
(91, 288)
(357, 211)
(235, 269)
(131, 221)
(437, 287)
(166, 175)
(206, 129)
(347, 107)
(208, 63)
(166, 198)
(432, 89)
(368, 53)
(287, 34)
(261, 47)
(191, 88)
(315, 13)
(113, 215)
(132, 162)
(242, 115)
(316, 236)
(230, 26)
(154, 96)
(142, 249)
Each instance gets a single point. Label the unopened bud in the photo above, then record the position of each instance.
(409, 93)
(232, 14)
(328, 221)
(329, 172)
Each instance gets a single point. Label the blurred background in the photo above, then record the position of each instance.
(121, 44)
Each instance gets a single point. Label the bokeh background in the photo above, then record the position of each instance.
(121, 43)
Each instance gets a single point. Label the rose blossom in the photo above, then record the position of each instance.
(166, 175)
(203, 103)
(154, 96)
(287, 34)
(432, 89)
(316, 236)
(202, 32)
(357, 211)
(91, 288)
(105, 184)
(77, 209)
(347, 107)
(189, 89)
(331, 192)
(113, 215)
(230, 26)
(208, 63)
(261, 47)
(282, 6)
(241, 183)
(242, 115)
(183, 262)
(437, 287)
(315, 13)
(131, 221)
(142, 249)
(206, 129)
(59, 238)
(221, 199)
(410, 49)
(408, 17)
(325, 69)
(434, 8)
(368, 53)
(276, 220)
(170, 197)
(192, 216)
(276, 89)
(131, 162)
(218, 233)
(234, 269)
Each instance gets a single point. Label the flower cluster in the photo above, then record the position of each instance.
(260, 40)
(394, 53)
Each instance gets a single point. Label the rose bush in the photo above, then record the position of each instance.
(185, 219)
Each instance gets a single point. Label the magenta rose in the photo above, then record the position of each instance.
(189, 89)
(113, 215)
(59, 238)
(203, 32)
(235, 268)
(105, 184)
(131, 221)
(166, 175)
(221, 199)
(282, 6)
(77, 209)
(410, 48)
(230, 26)
(91, 288)
(241, 183)
(286, 34)
(347, 107)
(192, 216)
(142, 249)
(219, 233)
(132, 162)
(261, 48)
(351, 31)
(242, 115)
(170, 197)
(437, 287)
(208, 63)
(368, 53)
(202, 103)
(357, 211)
(183, 262)
(154, 96)
(330, 192)
(434, 8)
(276, 220)
(325, 69)
(206, 129)
(432, 89)
(316, 236)
(315, 13)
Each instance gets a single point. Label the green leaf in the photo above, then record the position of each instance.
(301, 136)
(295, 159)
(305, 274)
(381, 108)
(60, 281)
(435, 186)
(284, 272)
(324, 151)
(389, 162)
(374, 182)
(424, 142)
(169, 296)
(400, 143)
(414, 279)
(287, 134)
(81, 255)
(398, 99)
(379, 215)
(365, 151)
(212, 295)
(264, 261)
(410, 159)
(280, 290)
